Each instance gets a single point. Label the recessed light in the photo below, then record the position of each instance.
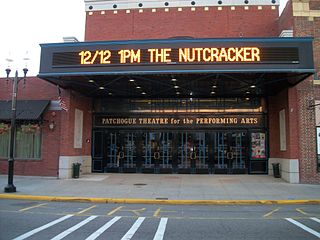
(176, 86)
(213, 92)
(131, 80)
(138, 87)
(110, 93)
(101, 88)
(173, 79)
(91, 81)
(253, 86)
(178, 93)
(191, 93)
(214, 86)
(247, 92)
(247, 99)
(143, 93)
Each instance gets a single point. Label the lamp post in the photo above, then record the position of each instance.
(10, 187)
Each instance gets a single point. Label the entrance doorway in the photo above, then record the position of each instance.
(231, 152)
(218, 152)
(193, 152)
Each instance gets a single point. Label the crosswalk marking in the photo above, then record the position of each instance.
(161, 229)
(304, 227)
(133, 229)
(34, 231)
(102, 229)
(72, 229)
(315, 219)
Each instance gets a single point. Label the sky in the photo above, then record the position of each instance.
(24, 24)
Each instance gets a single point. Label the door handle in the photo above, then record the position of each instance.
(156, 155)
(229, 155)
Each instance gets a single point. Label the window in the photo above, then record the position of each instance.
(28, 141)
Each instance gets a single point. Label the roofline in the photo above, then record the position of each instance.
(173, 40)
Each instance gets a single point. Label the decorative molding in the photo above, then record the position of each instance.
(286, 33)
(99, 5)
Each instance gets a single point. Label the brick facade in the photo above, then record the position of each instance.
(54, 143)
(192, 22)
(301, 16)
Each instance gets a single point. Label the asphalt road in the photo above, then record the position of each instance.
(69, 220)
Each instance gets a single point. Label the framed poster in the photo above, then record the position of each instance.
(258, 145)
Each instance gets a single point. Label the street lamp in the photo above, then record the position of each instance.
(10, 187)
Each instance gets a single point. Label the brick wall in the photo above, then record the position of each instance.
(60, 140)
(76, 101)
(45, 90)
(213, 23)
(48, 164)
(307, 24)
(286, 18)
(286, 100)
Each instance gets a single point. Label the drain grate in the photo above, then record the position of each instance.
(139, 184)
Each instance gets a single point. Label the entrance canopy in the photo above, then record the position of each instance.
(178, 67)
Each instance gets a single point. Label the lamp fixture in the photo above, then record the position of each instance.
(131, 80)
(101, 88)
(253, 86)
(138, 87)
(52, 125)
(91, 81)
(15, 80)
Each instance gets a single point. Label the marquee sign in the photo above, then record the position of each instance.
(171, 55)
(206, 55)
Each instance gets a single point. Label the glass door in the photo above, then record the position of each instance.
(230, 152)
(157, 152)
(113, 151)
(120, 152)
(193, 152)
(129, 156)
(165, 152)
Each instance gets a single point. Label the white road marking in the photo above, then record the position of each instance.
(34, 231)
(161, 229)
(304, 227)
(102, 229)
(133, 229)
(315, 219)
(72, 229)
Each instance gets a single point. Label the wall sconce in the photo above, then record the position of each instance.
(52, 125)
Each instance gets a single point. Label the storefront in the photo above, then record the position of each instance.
(179, 105)
(181, 136)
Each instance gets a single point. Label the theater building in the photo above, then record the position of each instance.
(194, 87)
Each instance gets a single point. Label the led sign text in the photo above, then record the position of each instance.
(170, 55)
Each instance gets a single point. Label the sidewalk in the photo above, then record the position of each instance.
(187, 189)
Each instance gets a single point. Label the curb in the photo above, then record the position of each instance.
(155, 201)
